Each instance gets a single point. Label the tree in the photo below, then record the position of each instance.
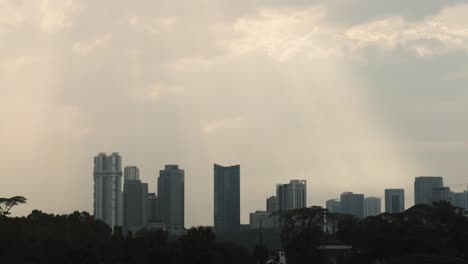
(7, 203)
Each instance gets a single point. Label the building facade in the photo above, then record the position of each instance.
(107, 205)
(135, 196)
(458, 199)
(372, 206)
(263, 219)
(153, 212)
(292, 195)
(171, 195)
(131, 173)
(352, 204)
(394, 200)
(441, 194)
(226, 198)
(333, 206)
(423, 188)
(272, 204)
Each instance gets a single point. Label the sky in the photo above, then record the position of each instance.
(350, 95)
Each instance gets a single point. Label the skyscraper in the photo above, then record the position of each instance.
(108, 189)
(459, 199)
(441, 194)
(131, 173)
(292, 195)
(333, 206)
(154, 214)
(135, 197)
(272, 204)
(372, 206)
(226, 198)
(352, 204)
(171, 195)
(394, 200)
(423, 188)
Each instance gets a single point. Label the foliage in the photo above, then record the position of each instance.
(7, 203)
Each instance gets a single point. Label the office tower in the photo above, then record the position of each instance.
(154, 214)
(394, 200)
(171, 197)
(131, 173)
(266, 219)
(352, 204)
(272, 204)
(458, 199)
(135, 196)
(108, 189)
(292, 195)
(333, 206)
(226, 198)
(441, 194)
(372, 206)
(423, 188)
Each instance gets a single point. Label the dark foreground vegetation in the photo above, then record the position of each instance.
(422, 234)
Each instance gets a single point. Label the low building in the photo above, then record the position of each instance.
(265, 219)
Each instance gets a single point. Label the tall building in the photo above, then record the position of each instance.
(272, 204)
(108, 189)
(135, 197)
(372, 206)
(265, 219)
(171, 195)
(333, 206)
(226, 198)
(352, 204)
(459, 199)
(394, 200)
(423, 188)
(153, 212)
(292, 195)
(131, 173)
(441, 194)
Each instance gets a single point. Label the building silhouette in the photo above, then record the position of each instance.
(263, 219)
(226, 198)
(459, 199)
(352, 204)
(171, 196)
(131, 173)
(135, 200)
(272, 204)
(153, 212)
(333, 206)
(423, 188)
(108, 189)
(441, 194)
(292, 195)
(394, 200)
(372, 206)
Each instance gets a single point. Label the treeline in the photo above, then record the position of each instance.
(79, 238)
(421, 234)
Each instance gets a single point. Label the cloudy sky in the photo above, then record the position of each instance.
(351, 95)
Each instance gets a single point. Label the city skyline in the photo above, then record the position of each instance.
(354, 95)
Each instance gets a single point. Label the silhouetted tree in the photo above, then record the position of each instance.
(7, 203)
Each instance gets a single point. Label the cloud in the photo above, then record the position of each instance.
(84, 48)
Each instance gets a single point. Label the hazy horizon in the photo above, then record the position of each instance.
(355, 95)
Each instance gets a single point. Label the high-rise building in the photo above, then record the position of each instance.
(423, 188)
(352, 204)
(171, 195)
(458, 199)
(108, 189)
(372, 206)
(441, 194)
(292, 195)
(394, 200)
(131, 173)
(265, 219)
(333, 206)
(135, 204)
(154, 214)
(226, 198)
(272, 204)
